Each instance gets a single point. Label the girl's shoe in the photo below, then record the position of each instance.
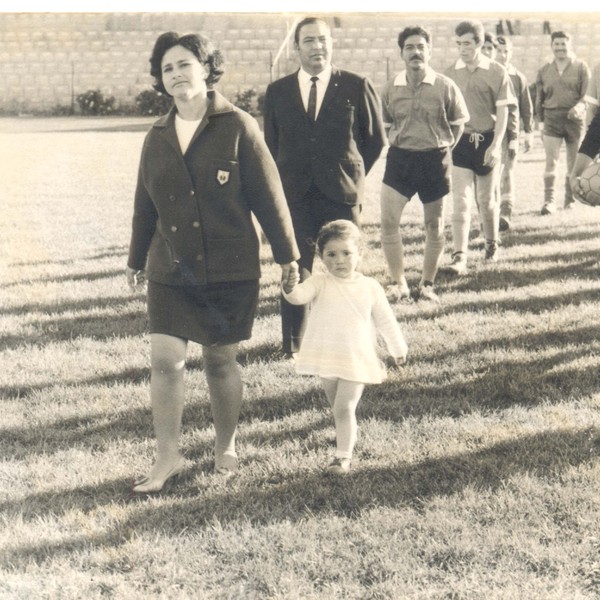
(339, 466)
(226, 464)
(145, 485)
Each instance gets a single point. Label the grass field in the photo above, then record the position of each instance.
(476, 472)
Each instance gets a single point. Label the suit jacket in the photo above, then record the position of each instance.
(338, 149)
(192, 220)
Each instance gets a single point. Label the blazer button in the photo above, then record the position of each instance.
(192, 193)
(196, 224)
(199, 257)
(172, 198)
(173, 228)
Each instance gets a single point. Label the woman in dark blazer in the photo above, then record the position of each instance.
(204, 171)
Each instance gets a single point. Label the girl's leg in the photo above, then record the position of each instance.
(347, 395)
(330, 388)
(392, 205)
(167, 360)
(225, 390)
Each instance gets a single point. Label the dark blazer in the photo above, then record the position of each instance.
(192, 220)
(335, 151)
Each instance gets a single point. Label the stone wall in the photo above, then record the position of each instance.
(48, 58)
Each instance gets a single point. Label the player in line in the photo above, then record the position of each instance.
(560, 108)
(424, 113)
(525, 114)
(487, 91)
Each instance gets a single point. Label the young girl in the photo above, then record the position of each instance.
(339, 345)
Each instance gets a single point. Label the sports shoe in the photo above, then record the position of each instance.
(426, 292)
(549, 208)
(339, 466)
(458, 266)
(491, 251)
(397, 291)
(504, 224)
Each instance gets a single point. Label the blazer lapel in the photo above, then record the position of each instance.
(331, 91)
(296, 96)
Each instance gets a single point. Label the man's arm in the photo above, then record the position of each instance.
(270, 123)
(371, 129)
(493, 153)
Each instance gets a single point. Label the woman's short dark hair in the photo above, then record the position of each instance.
(474, 27)
(201, 47)
(408, 31)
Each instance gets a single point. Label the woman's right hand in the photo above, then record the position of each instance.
(135, 278)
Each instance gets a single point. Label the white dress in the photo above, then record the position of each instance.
(341, 332)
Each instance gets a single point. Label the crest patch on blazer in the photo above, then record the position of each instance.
(222, 176)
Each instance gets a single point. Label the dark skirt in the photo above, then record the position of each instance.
(212, 315)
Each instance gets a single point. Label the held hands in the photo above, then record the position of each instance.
(135, 279)
(290, 276)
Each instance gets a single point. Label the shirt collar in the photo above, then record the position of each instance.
(512, 70)
(324, 76)
(429, 77)
(483, 63)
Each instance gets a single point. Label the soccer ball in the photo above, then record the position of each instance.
(590, 184)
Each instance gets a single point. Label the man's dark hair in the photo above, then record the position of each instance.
(474, 27)
(416, 30)
(307, 21)
(559, 34)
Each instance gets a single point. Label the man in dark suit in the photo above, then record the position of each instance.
(324, 129)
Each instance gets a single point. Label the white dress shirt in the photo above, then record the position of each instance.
(322, 83)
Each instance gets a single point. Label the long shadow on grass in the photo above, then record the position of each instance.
(90, 276)
(109, 252)
(62, 306)
(95, 430)
(104, 327)
(302, 495)
(531, 239)
(496, 385)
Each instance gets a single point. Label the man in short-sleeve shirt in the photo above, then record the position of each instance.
(592, 96)
(525, 112)
(560, 107)
(424, 113)
(487, 91)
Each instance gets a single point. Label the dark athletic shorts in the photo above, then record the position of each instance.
(557, 124)
(423, 172)
(214, 314)
(470, 152)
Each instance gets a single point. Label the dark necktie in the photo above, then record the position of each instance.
(311, 111)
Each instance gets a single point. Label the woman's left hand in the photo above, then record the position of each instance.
(135, 278)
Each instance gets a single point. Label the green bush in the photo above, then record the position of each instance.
(249, 100)
(94, 103)
(152, 103)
